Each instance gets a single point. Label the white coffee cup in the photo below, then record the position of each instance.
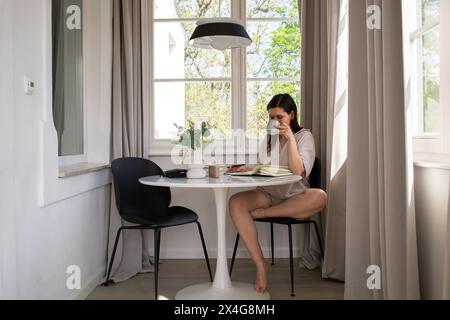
(272, 127)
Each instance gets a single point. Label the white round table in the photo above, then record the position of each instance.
(222, 288)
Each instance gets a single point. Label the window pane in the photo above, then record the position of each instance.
(170, 9)
(272, 8)
(176, 102)
(275, 51)
(67, 39)
(429, 108)
(259, 94)
(429, 9)
(174, 59)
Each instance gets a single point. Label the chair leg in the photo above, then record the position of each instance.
(113, 256)
(319, 238)
(157, 243)
(159, 248)
(291, 260)
(272, 244)
(204, 249)
(152, 262)
(236, 243)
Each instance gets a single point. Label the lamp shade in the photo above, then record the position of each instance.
(219, 34)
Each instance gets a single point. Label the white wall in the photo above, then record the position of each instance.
(432, 198)
(432, 186)
(44, 228)
(7, 204)
(38, 244)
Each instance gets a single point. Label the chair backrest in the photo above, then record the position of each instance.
(134, 198)
(314, 177)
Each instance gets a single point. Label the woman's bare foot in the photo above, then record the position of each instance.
(261, 278)
(258, 213)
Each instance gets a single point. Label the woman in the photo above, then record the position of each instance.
(296, 151)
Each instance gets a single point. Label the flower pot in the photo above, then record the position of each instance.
(196, 171)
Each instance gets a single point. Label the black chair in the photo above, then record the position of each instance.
(148, 207)
(314, 181)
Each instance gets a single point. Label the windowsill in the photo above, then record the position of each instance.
(249, 148)
(427, 136)
(80, 169)
(438, 160)
(167, 153)
(432, 165)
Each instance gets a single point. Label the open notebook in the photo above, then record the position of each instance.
(264, 171)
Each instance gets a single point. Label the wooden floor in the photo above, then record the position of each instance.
(174, 275)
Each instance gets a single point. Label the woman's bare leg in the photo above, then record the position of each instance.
(240, 206)
(301, 206)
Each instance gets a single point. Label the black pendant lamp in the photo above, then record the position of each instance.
(220, 34)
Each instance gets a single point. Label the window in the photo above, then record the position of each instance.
(68, 176)
(426, 25)
(426, 60)
(273, 60)
(230, 89)
(189, 83)
(68, 73)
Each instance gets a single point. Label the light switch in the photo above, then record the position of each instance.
(29, 86)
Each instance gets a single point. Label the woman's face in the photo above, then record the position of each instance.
(281, 115)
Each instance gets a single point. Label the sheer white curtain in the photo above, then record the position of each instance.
(337, 132)
(324, 111)
(313, 107)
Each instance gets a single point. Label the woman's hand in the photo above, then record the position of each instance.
(286, 132)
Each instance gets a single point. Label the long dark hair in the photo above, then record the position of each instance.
(287, 103)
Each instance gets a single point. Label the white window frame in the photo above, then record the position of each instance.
(429, 147)
(97, 98)
(265, 79)
(158, 147)
(80, 158)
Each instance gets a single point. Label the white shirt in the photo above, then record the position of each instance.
(307, 150)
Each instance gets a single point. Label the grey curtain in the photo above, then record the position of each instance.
(380, 227)
(360, 130)
(127, 129)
